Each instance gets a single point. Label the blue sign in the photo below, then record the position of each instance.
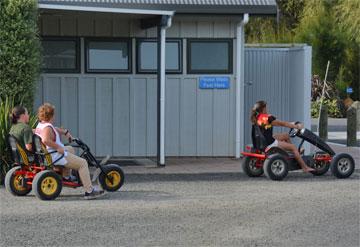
(349, 90)
(211, 82)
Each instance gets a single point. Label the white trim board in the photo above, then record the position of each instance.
(105, 10)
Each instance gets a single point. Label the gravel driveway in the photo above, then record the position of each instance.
(226, 209)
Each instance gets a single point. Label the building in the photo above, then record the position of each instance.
(188, 93)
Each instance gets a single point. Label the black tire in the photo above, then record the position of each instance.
(249, 167)
(320, 168)
(276, 167)
(116, 173)
(13, 183)
(342, 165)
(47, 185)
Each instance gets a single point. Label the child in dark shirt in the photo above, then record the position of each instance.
(20, 129)
(265, 121)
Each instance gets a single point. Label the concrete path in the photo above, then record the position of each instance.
(211, 165)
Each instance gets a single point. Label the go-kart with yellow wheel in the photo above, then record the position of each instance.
(47, 185)
(15, 183)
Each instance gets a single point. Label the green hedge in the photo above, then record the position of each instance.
(19, 50)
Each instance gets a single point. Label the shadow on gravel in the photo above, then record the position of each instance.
(140, 195)
(226, 176)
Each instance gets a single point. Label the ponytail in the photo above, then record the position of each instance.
(256, 110)
(16, 112)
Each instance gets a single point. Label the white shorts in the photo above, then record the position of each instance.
(274, 144)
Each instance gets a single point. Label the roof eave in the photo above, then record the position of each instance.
(105, 9)
(158, 9)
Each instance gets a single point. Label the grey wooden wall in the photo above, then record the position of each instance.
(116, 114)
(117, 25)
(281, 77)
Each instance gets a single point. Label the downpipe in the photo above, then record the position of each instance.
(240, 101)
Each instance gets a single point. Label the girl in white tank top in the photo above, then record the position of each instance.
(55, 155)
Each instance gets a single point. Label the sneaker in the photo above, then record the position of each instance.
(93, 194)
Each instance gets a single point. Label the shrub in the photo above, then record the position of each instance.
(333, 108)
(19, 50)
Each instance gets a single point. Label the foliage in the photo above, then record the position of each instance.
(349, 73)
(290, 12)
(271, 30)
(321, 89)
(260, 30)
(318, 28)
(6, 105)
(19, 50)
(348, 18)
(341, 82)
(333, 108)
(331, 27)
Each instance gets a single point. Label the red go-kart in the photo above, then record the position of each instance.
(36, 171)
(276, 163)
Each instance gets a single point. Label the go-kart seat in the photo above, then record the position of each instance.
(20, 155)
(43, 156)
(258, 139)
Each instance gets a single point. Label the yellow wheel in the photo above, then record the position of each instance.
(15, 184)
(113, 179)
(47, 185)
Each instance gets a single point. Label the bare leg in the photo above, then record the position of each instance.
(292, 148)
(282, 137)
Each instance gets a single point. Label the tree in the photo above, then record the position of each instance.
(348, 17)
(291, 12)
(347, 14)
(318, 28)
(19, 50)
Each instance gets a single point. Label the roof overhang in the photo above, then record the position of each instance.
(166, 7)
(104, 9)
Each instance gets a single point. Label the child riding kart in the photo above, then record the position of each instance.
(37, 171)
(278, 156)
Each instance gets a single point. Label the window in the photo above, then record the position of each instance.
(60, 55)
(108, 55)
(209, 56)
(147, 56)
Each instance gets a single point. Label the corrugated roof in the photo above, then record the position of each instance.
(181, 6)
(160, 2)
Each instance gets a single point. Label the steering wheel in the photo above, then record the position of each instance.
(293, 132)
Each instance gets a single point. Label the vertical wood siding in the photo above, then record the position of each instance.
(116, 114)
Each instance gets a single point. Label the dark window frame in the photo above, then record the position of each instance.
(209, 40)
(154, 71)
(77, 68)
(87, 40)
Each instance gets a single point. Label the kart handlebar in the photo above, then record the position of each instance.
(78, 143)
(294, 132)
